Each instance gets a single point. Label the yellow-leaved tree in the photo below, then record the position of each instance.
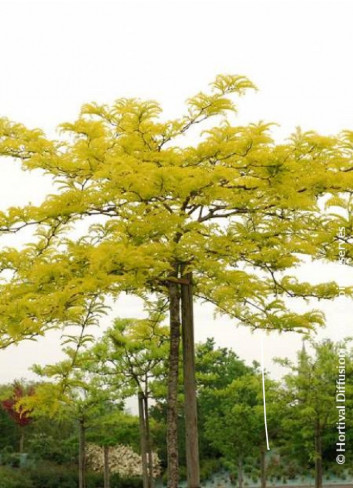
(225, 218)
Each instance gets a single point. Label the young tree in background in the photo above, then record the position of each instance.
(222, 219)
(216, 369)
(71, 392)
(311, 386)
(133, 352)
(17, 411)
(235, 426)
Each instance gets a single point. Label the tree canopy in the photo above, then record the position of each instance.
(234, 207)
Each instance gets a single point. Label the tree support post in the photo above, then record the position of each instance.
(191, 429)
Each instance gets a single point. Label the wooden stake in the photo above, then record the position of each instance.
(192, 444)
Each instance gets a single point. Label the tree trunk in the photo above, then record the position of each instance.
(190, 405)
(148, 443)
(240, 472)
(318, 456)
(143, 439)
(173, 376)
(106, 467)
(22, 439)
(82, 454)
(263, 466)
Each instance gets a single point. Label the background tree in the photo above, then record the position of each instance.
(216, 369)
(236, 426)
(71, 392)
(311, 389)
(15, 409)
(132, 353)
(8, 428)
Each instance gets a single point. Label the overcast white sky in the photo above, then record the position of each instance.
(56, 56)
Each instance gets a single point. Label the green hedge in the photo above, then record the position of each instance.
(10, 477)
(53, 475)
